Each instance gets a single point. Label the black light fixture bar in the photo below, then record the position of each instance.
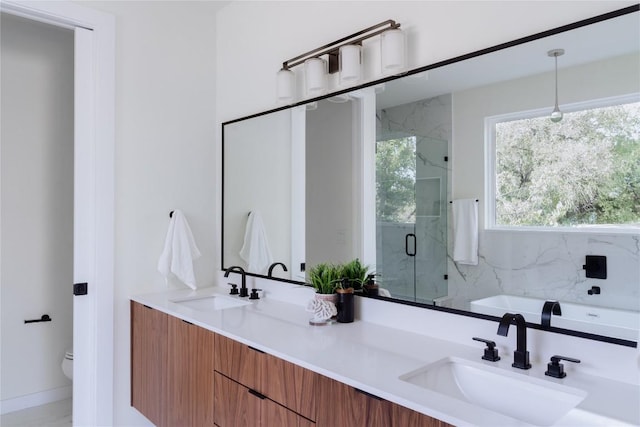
(332, 49)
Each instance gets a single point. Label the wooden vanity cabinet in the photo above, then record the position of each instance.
(340, 405)
(149, 346)
(256, 388)
(184, 375)
(171, 369)
(234, 404)
(189, 374)
(290, 385)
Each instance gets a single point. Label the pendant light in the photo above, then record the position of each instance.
(556, 114)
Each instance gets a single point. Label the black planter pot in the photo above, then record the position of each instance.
(345, 307)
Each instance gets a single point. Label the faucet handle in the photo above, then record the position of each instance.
(234, 289)
(556, 369)
(491, 352)
(254, 293)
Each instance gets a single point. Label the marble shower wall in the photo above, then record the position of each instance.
(548, 265)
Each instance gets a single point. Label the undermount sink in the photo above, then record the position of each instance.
(210, 302)
(532, 400)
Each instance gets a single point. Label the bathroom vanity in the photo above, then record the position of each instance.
(184, 374)
(207, 358)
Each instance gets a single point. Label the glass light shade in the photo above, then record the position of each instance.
(350, 64)
(315, 77)
(556, 115)
(392, 50)
(285, 86)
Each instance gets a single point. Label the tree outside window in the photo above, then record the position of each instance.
(584, 170)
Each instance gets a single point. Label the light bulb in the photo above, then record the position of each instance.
(556, 115)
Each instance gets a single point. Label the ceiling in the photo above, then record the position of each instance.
(596, 42)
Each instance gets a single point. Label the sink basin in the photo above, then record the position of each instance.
(210, 302)
(532, 400)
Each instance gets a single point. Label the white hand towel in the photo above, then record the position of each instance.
(179, 251)
(255, 250)
(465, 231)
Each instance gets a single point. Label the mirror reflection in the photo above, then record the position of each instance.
(376, 174)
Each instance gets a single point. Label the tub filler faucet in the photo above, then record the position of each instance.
(549, 307)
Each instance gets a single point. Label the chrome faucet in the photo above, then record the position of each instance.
(520, 355)
(548, 308)
(243, 289)
(272, 266)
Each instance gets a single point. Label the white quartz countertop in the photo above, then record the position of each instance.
(372, 357)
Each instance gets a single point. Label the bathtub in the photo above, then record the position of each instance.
(586, 318)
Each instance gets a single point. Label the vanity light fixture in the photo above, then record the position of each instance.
(344, 55)
(556, 114)
(392, 51)
(286, 86)
(315, 77)
(350, 64)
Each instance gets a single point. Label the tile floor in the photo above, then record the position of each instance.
(56, 414)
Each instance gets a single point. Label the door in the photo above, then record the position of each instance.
(36, 201)
(84, 325)
(411, 216)
(94, 101)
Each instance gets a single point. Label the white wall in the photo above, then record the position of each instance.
(37, 206)
(329, 202)
(258, 178)
(165, 152)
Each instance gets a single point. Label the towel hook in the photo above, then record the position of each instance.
(171, 214)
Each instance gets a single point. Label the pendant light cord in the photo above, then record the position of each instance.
(555, 55)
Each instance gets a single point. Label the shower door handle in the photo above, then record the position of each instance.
(406, 244)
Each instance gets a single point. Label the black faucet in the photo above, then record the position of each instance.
(548, 308)
(520, 355)
(272, 266)
(243, 288)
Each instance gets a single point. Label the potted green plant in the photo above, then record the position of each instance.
(355, 273)
(325, 278)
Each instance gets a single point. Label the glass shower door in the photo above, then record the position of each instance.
(411, 217)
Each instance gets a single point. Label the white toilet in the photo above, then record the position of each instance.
(67, 364)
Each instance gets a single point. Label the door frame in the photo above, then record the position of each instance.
(94, 141)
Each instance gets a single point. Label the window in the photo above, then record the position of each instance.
(584, 170)
(396, 180)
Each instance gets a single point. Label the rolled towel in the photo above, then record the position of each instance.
(179, 251)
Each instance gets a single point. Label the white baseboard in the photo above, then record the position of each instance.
(35, 399)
